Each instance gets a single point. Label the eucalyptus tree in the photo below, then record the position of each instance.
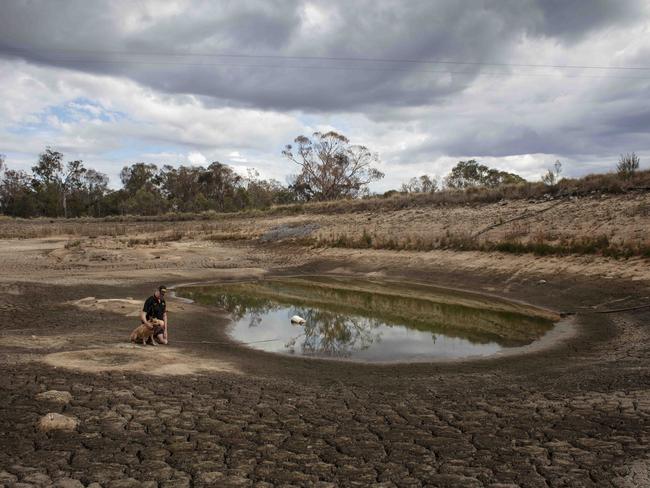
(330, 167)
(469, 174)
(53, 181)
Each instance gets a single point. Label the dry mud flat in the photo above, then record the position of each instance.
(219, 414)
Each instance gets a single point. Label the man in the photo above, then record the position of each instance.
(154, 313)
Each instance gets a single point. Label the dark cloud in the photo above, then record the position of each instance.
(449, 107)
(443, 30)
(637, 121)
(572, 19)
(590, 133)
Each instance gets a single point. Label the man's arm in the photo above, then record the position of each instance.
(143, 317)
(145, 311)
(165, 334)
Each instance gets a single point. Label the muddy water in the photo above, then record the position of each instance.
(371, 321)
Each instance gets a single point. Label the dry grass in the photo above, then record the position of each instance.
(174, 236)
(608, 183)
(584, 245)
(641, 210)
(94, 228)
(225, 236)
(72, 244)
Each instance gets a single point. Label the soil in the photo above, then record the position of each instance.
(208, 412)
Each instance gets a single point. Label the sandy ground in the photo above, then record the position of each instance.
(208, 412)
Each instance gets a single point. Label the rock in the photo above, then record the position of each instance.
(56, 421)
(6, 477)
(541, 282)
(296, 319)
(176, 483)
(40, 479)
(210, 477)
(236, 482)
(68, 483)
(125, 483)
(55, 396)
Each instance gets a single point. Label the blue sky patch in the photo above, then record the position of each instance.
(74, 111)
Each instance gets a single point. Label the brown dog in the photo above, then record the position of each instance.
(142, 333)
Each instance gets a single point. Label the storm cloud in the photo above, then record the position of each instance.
(424, 83)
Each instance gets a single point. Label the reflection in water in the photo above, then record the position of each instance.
(331, 334)
(371, 321)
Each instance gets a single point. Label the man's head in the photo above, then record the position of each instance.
(162, 289)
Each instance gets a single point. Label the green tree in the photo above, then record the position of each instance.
(219, 183)
(114, 202)
(201, 203)
(49, 166)
(145, 202)
(71, 181)
(218, 187)
(495, 178)
(140, 176)
(182, 186)
(17, 196)
(142, 188)
(92, 193)
(330, 167)
(46, 182)
(263, 193)
(53, 182)
(468, 174)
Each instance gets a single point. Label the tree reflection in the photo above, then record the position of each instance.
(332, 334)
(239, 306)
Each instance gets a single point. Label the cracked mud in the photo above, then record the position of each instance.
(576, 414)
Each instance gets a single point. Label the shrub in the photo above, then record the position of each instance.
(627, 165)
(552, 176)
(72, 244)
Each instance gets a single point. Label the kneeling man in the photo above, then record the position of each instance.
(154, 313)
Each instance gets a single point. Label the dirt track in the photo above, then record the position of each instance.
(575, 415)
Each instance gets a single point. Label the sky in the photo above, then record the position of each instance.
(514, 84)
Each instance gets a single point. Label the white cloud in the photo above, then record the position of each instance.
(236, 157)
(149, 120)
(196, 158)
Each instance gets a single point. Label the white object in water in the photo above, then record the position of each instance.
(296, 319)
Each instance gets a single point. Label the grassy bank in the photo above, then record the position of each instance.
(583, 245)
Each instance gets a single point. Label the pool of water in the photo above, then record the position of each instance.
(371, 321)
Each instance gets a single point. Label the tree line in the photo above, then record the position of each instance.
(328, 167)
(55, 188)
